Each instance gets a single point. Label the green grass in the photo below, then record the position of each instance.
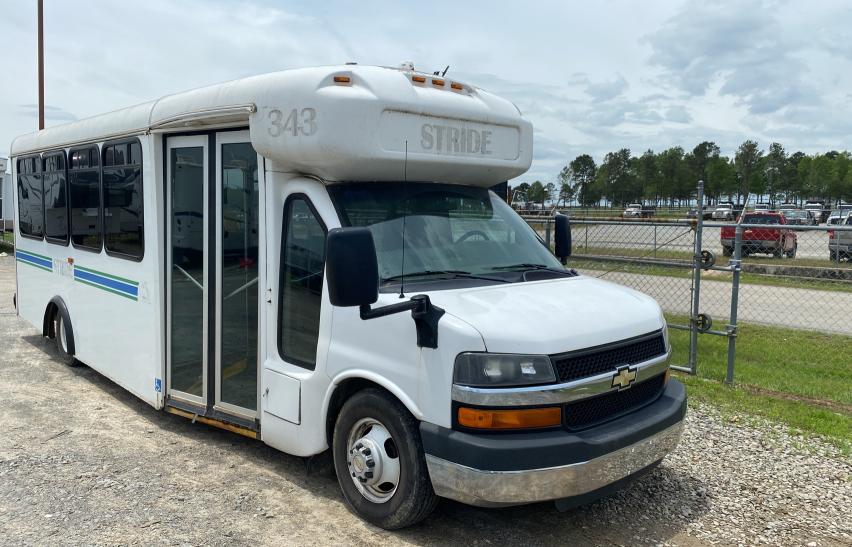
(800, 378)
(7, 240)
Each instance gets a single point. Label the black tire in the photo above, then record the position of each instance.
(792, 252)
(727, 251)
(413, 498)
(62, 336)
(778, 252)
(832, 255)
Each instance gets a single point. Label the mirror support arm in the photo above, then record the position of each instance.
(426, 317)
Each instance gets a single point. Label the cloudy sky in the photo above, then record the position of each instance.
(591, 76)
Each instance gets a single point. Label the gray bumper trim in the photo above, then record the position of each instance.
(500, 488)
(557, 393)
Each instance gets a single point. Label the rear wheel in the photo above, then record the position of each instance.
(62, 336)
(379, 461)
(792, 252)
(727, 251)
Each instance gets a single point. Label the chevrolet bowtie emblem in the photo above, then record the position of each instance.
(623, 378)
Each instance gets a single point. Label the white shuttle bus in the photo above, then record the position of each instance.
(313, 258)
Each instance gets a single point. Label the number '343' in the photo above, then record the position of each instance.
(298, 122)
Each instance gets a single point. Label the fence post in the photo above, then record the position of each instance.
(696, 283)
(736, 267)
(547, 232)
(655, 241)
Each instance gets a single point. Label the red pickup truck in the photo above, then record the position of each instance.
(780, 240)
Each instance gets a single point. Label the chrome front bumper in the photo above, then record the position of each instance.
(501, 488)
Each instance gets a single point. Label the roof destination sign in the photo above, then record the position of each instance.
(448, 136)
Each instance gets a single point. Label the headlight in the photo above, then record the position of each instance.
(502, 370)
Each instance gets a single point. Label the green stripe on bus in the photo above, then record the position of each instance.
(34, 265)
(97, 272)
(107, 289)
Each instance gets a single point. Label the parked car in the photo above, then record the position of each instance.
(777, 241)
(724, 211)
(840, 243)
(637, 210)
(797, 217)
(814, 218)
(836, 215)
(693, 213)
(818, 208)
(761, 207)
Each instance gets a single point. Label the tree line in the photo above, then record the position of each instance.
(669, 178)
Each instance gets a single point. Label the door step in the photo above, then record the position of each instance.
(215, 422)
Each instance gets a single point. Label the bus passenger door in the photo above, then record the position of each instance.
(213, 265)
(238, 250)
(187, 269)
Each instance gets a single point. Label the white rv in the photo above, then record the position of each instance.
(313, 258)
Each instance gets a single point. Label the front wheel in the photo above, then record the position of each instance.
(379, 461)
(792, 252)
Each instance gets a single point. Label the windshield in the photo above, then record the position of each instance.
(761, 219)
(448, 228)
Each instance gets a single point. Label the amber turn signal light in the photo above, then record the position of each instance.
(477, 418)
(342, 79)
(418, 79)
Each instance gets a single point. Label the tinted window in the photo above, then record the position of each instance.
(85, 198)
(30, 192)
(55, 199)
(122, 201)
(302, 265)
(447, 227)
(762, 219)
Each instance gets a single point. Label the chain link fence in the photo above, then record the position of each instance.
(757, 283)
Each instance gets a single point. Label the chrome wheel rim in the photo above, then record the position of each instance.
(60, 332)
(373, 460)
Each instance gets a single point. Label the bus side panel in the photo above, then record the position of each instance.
(117, 333)
(38, 278)
(114, 304)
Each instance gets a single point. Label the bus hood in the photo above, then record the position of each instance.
(553, 316)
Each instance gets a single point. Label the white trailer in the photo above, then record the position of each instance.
(312, 258)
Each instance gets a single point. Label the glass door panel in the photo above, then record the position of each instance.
(187, 268)
(238, 266)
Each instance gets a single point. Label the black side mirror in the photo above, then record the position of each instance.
(562, 237)
(351, 266)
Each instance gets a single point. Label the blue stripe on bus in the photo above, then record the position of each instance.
(107, 282)
(24, 256)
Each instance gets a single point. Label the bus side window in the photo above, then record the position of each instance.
(30, 205)
(55, 198)
(84, 196)
(300, 293)
(123, 208)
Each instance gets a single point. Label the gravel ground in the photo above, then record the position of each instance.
(84, 462)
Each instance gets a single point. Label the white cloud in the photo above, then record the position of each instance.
(592, 77)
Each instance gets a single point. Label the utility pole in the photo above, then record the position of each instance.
(40, 64)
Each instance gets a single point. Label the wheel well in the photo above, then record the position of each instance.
(346, 389)
(48, 328)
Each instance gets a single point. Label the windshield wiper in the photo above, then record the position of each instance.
(525, 267)
(450, 273)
